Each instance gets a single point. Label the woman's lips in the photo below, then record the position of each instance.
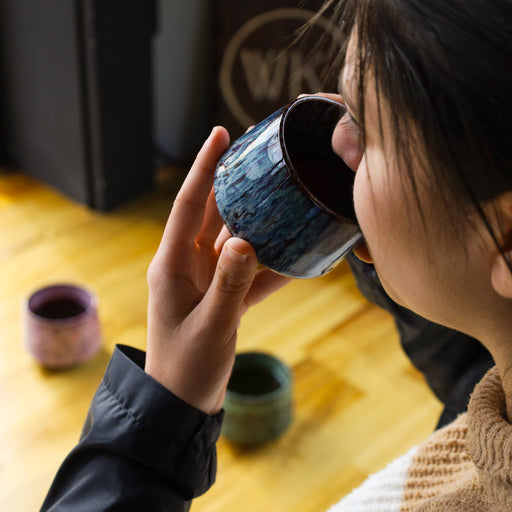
(362, 252)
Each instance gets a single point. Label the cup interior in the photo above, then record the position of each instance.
(306, 135)
(257, 376)
(60, 302)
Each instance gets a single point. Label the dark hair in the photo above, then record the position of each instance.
(444, 67)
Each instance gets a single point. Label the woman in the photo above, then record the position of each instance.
(428, 89)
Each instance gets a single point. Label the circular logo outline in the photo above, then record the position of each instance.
(230, 53)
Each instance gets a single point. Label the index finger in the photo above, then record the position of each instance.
(328, 95)
(188, 211)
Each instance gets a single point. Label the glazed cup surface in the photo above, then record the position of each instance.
(282, 188)
(61, 328)
(259, 399)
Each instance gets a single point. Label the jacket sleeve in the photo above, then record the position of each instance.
(142, 448)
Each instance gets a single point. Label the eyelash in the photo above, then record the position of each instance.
(353, 120)
(354, 124)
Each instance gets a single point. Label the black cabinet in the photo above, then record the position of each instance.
(76, 95)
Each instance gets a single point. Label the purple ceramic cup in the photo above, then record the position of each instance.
(62, 328)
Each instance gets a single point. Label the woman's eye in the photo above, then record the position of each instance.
(350, 120)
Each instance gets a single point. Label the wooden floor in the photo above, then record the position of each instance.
(358, 401)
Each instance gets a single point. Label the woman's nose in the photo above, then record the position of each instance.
(346, 143)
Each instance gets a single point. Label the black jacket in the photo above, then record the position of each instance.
(141, 448)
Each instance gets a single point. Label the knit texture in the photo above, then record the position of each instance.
(466, 466)
(381, 492)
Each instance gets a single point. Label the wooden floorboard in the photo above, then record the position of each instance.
(358, 401)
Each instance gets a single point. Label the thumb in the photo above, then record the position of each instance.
(235, 272)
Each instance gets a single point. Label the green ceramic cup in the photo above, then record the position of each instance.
(259, 399)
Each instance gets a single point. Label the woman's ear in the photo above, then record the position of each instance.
(502, 260)
(502, 276)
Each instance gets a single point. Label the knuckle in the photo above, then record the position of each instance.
(230, 283)
(182, 200)
(154, 275)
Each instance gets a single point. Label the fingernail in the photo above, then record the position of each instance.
(238, 255)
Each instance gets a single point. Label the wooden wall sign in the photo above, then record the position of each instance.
(260, 68)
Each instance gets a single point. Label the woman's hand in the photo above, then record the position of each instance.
(201, 281)
(328, 95)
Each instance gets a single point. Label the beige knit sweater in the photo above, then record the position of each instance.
(466, 466)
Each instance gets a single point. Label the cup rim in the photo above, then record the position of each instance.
(90, 302)
(285, 379)
(293, 172)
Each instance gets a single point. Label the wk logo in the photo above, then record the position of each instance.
(259, 73)
(269, 72)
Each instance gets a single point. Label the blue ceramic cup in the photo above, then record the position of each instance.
(283, 189)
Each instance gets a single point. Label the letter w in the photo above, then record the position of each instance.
(265, 73)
